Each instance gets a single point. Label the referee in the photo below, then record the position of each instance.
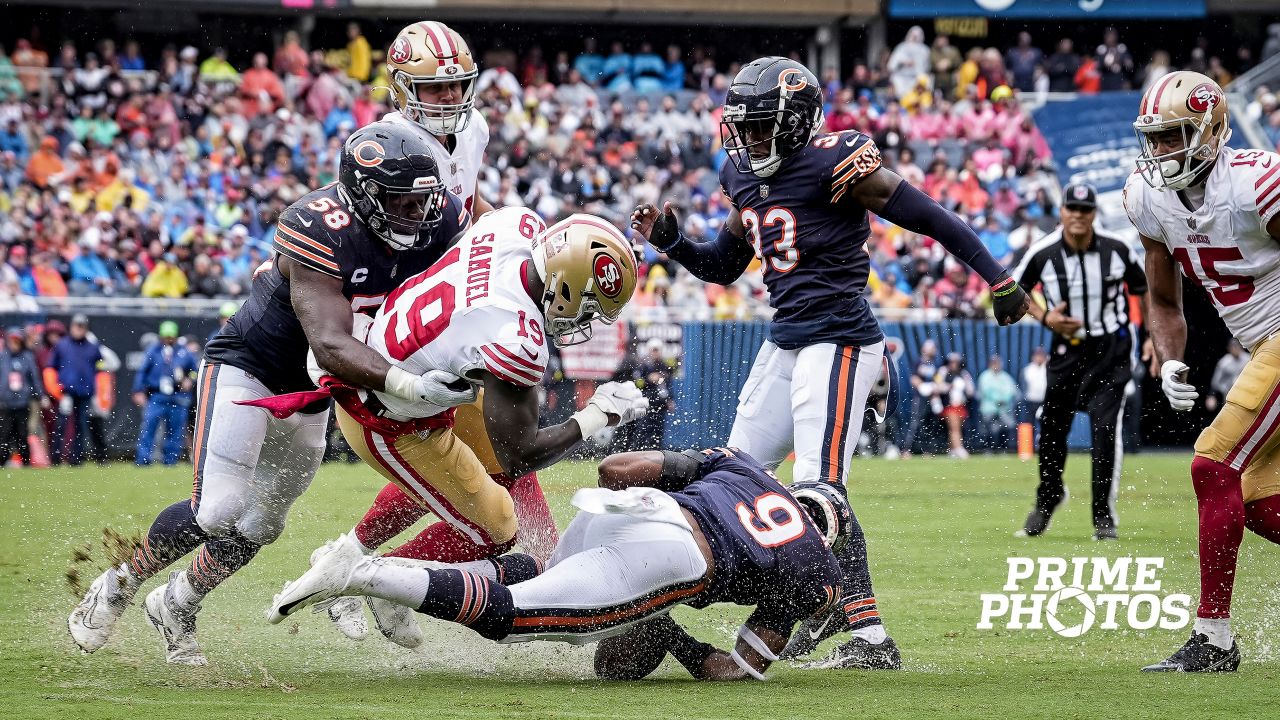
(1084, 276)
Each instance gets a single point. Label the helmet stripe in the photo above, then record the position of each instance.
(1155, 103)
(436, 47)
(439, 34)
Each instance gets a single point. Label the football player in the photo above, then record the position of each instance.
(800, 200)
(1211, 213)
(433, 79)
(485, 312)
(340, 248)
(664, 529)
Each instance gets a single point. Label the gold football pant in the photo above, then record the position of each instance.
(442, 473)
(1246, 433)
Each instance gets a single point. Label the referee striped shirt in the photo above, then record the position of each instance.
(1092, 281)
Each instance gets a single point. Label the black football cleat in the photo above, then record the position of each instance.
(1106, 532)
(1037, 522)
(813, 631)
(858, 654)
(1200, 656)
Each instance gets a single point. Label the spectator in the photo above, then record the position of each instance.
(1062, 66)
(29, 63)
(1022, 61)
(909, 60)
(647, 70)
(216, 68)
(1225, 373)
(166, 279)
(673, 74)
(654, 376)
(925, 400)
(45, 167)
(14, 140)
(956, 389)
(589, 64)
(615, 74)
(163, 387)
(997, 397)
(360, 64)
(261, 91)
(1156, 69)
(1034, 383)
(1270, 48)
(48, 280)
(945, 60)
(206, 278)
(75, 360)
(1088, 79)
(1115, 64)
(132, 60)
(24, 386)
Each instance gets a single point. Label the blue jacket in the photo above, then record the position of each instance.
(21, 382)
(90, 267)
(175, 364)
(76, 362)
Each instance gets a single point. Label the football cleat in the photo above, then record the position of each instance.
(1037, 522)
(858, 654)
(92, 620)
(396, 622)
(347, 614)
(813, 631)
(1199, 655)
(176, 624)
(330, 572)
(1105, 533)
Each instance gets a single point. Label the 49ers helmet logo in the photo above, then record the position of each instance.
(608, 276)
(400, 51)
(1203, 98)
(369, 153)
(792, 80)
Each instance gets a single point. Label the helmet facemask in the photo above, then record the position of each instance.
(437, 119)
(779, 133)
(400, 216)
(1179, 169)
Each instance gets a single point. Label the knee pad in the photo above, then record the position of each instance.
(218, 515)
(261, 527)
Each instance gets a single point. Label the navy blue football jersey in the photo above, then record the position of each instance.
(810, 236)
(767, 552)
(264, 338)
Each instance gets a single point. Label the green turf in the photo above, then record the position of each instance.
(940, 532)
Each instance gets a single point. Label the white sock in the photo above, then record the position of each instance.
(183, 592)
(483, 568)
(1218, 630)
(396, 583)
(355, 540)
(873, 634)
(128, 581)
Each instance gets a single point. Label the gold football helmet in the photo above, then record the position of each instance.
(588, 270)
(426, 53)
(1193, 104)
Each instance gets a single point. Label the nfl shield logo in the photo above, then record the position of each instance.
(1191, 223)
(764, 192)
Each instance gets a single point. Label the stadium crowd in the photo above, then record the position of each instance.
(162, 177)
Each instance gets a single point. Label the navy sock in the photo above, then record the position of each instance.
(218, 560)
(516, 568)
(174, 533)
(469, 599)
(859, 599)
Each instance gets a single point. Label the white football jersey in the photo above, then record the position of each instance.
(460, 168)
(1224, 246)
(468, 312)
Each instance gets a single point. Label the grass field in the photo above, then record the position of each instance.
(940, 533)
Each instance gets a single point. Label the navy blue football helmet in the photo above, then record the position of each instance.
(773, 109)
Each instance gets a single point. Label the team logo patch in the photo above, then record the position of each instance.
(369, 153)
(1203, 98)
(451, 70)
(608, 276)
(400, 51)
(792, 80)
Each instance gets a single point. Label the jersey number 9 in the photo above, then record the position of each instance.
(773, 521)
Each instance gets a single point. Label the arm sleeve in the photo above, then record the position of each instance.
(304, 245)
(719, 261)
(917, 212)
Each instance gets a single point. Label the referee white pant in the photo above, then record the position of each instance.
(810, 400)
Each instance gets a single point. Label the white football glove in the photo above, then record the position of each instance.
(622, 399)
(1182, 396)
(436, 387)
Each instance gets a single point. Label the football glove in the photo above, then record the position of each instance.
(435, 387)
(666, 230)
(1182, 395)
(620, 399)
(1009, 301)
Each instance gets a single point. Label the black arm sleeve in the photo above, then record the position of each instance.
(719, 261)
(911, 209)
(679, 469)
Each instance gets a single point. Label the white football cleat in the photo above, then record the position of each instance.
(330, 572)
(92, 620)
(396, 622)
(347, 614)
(176, 624)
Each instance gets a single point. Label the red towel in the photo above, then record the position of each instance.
(348, 396)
